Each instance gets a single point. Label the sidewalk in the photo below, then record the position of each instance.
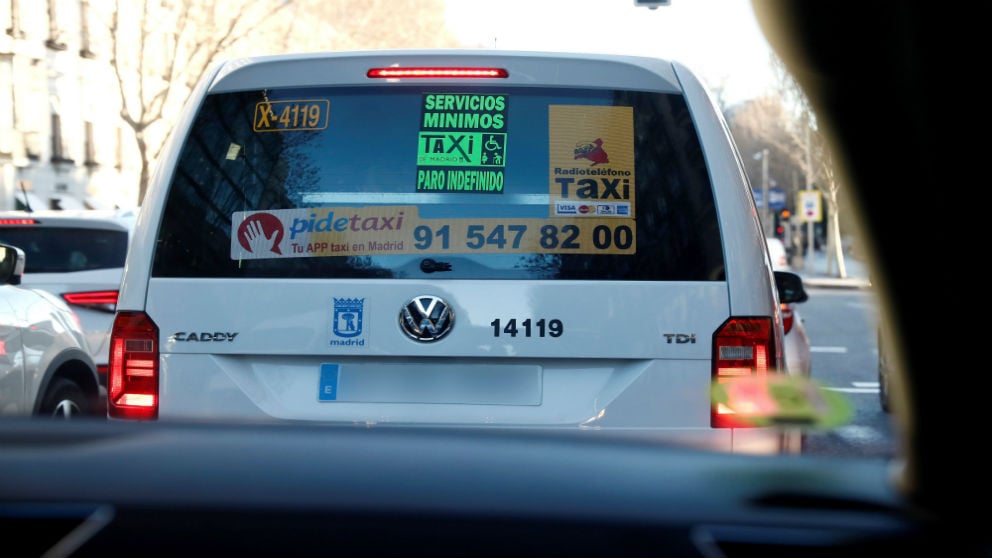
(814, 273)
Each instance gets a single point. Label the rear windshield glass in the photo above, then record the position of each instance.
(62, 249)
(441, 183)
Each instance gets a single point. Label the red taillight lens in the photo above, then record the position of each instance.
(742, 347)
(437, 73)
(786, 317)
(132, 391)
(18, 221)
(98, 300)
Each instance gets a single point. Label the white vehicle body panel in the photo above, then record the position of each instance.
(798, 358)
(280, 346)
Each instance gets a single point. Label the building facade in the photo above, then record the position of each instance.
(63, 144)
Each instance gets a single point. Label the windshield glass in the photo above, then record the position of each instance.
(472, 278)
(563, 246)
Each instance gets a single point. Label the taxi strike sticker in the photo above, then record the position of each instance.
(461, 146)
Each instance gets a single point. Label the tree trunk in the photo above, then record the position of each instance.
(145, 173)
(834, 248)
(834, 225)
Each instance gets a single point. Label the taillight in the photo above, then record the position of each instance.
(18, 221)
(97, 300)
(132, 391)
(437, 73)
(786, 317)
(742, 348)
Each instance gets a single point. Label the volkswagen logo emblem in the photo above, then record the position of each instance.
(426, 318)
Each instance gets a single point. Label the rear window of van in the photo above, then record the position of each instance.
(441, 182)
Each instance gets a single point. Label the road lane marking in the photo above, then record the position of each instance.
(859, 387)
(856, 433)
(826, 349)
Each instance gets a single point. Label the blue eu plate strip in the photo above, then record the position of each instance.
(328, 382)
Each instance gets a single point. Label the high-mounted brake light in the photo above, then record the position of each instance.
(18, 221)
(98, 300)
(132, 383)
(742, 347)
(437, 73)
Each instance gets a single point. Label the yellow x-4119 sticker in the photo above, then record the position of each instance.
(286, 116)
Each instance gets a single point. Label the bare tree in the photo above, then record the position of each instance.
(818, 163)
(161, 48)
(785, 122)
(763, 130)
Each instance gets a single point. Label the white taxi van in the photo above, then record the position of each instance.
(512, 239)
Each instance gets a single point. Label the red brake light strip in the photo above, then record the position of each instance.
(437, 73)
(93, 297)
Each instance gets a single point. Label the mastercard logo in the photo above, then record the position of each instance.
(586, 209)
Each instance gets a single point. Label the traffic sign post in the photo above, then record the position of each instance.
(811, 211)
(810, 206)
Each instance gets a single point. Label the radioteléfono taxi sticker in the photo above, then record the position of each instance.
(398, 229)
(591, 162)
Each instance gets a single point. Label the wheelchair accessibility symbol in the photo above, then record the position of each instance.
(494, 150)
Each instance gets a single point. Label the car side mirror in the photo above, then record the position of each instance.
(11, 264)
(790, 287)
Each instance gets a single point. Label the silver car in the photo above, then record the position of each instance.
(45, 365)
(798, 359)
(77, 255)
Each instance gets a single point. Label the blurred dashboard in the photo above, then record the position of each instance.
(160, 489)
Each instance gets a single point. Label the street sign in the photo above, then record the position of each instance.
(810, 206)
(776, 198)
